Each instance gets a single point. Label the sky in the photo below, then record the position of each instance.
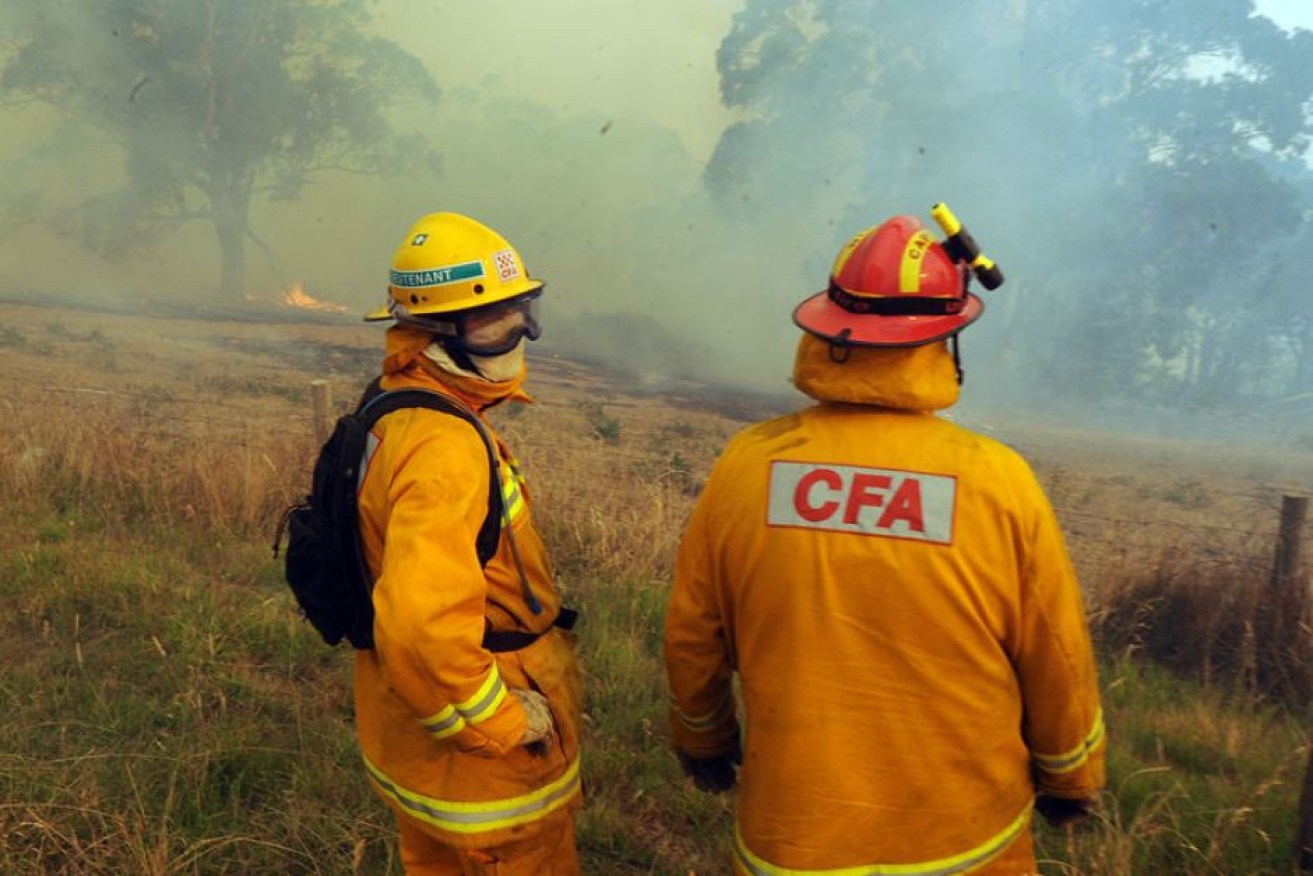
(1288, 13)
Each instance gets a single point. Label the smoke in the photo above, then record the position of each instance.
(675, 233)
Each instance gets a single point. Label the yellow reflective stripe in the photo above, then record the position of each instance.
(480, 707)
(467, 818)
(909, 269)
(981, 854)
(1076, 757)
(702, 723)
(512, 498)
(445, 723)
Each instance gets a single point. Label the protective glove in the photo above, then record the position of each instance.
(1063, 811)
(712, 774)
(540, 727)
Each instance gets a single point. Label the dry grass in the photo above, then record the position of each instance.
(166, 712)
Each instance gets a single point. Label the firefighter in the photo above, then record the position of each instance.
(894, 593)
(468, 706)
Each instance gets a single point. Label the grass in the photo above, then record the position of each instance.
(167, 712)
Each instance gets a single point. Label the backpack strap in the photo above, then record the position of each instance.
(377, 402)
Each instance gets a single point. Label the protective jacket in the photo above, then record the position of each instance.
(437, 728)
(896, 596)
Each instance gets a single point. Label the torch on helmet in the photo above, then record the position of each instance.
(893, 285)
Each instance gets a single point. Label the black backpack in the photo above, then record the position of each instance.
(325, 562)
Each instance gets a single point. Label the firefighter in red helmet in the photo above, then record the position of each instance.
(895, 596)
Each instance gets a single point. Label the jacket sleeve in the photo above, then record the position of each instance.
(703, 721)
(429, 596)
(1054, 659)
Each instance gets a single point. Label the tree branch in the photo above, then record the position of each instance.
(274, 264)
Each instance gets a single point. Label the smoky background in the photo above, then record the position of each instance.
(682, 174)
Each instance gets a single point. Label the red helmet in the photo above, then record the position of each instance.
(892, 286)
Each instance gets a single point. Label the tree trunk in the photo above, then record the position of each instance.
(230, 205)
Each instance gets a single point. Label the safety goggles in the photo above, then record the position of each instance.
(496, 329)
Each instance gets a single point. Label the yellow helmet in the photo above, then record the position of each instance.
(449, 263)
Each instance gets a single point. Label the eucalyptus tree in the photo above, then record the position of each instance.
(1116, 154)
(214, 103)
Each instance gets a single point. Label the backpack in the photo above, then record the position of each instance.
(325, 561)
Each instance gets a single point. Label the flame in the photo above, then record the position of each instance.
(296, 296)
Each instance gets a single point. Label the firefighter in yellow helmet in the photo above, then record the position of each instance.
(468, 705)
(895, 595)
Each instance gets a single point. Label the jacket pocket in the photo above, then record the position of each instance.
(550, 667)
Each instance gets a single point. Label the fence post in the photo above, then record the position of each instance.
(1288, 595)
(1286, 600)
(323, 396)
(1304, 837)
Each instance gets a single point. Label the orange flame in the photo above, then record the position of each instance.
(296, 296)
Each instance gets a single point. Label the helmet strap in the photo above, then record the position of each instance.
(840, 351)
(957, 359)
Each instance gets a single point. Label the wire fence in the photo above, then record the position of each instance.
(162, 414)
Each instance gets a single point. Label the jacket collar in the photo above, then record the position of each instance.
(920, 378)
(404, 362)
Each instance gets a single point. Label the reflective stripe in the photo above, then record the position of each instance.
(480, 707)
(371, 445)
(462, 817)
(909, 269)
(445, 723)
(981, 854)
(1071, 760)
(703, 723)
(512, 498)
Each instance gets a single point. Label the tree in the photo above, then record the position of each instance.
(1113, 154)
(214, 103)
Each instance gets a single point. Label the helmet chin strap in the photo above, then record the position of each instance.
(957, 359)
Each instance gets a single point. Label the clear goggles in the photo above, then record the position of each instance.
(498, 328)
(491, 330)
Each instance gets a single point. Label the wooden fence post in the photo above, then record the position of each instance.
(1281, 626)
(1289, 594)
(1304, 836)
(323, 396)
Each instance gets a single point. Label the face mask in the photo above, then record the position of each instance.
(492, 369)
(507, 366)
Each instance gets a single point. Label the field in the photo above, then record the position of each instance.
(165, 710)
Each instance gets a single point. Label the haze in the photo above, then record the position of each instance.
(676, 232)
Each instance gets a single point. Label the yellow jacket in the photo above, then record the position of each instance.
(437, 728)
(895, 595)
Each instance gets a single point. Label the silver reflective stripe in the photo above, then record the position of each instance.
(1070, 760)
(702, 723)
(466, 817)
(512, 498)
(981, 854)
(371, 445)
(444, 723)
(483, 704)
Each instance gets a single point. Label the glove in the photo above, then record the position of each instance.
(1063, 811)
(538, 714)
(712, 774)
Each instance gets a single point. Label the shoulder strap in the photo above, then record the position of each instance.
(378, 402)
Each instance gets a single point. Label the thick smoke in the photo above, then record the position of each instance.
(682, 174)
